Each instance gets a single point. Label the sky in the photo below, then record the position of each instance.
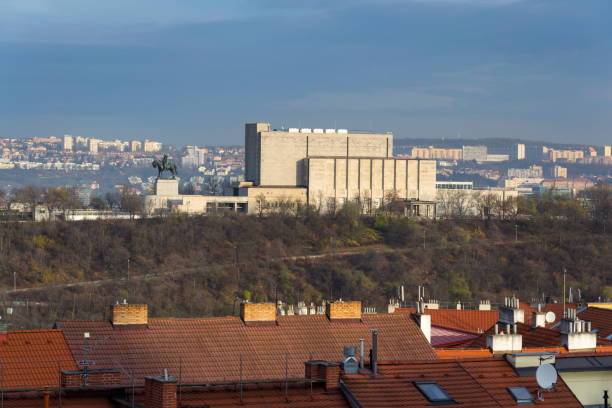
(194, 71)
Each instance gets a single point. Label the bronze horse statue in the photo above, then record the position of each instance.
(164, 165)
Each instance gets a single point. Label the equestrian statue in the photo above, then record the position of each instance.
(164, 165)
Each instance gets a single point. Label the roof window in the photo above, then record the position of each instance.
(521, 395)
(434, 393)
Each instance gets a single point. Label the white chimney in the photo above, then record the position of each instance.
(511, 313)
(509, 342)
(580, 337)
(538, 319)
(484, 305)
(423, 320)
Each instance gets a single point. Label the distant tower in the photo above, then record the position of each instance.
(135, 146)
(519, 151)
(67, 142)
(92, 145)
(607, 151)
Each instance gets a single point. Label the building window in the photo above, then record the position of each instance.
(434, 393)
(521, 395)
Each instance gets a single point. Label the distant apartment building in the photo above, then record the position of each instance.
(607, 151)
(569, 156)
(497, 157)
(135, 145)
(92, 145)
(194, 156)
(532, 171)
(477, 153)
(151, 146)
(67, 142)
(519, 152)
(436, 153)
(558, 172)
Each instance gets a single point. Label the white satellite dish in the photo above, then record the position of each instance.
(546, 376)
(550, 317)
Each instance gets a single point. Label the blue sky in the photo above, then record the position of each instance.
(194, 71)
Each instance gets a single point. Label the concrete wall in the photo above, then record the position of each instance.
(192, 204)
(369, 178)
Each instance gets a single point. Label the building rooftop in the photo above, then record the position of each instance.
(469, 383)
(31, 359)
(471, 321)
(214, 349)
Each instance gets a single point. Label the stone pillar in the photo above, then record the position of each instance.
(166, 187)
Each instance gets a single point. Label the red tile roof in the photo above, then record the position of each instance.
(556, 308)
(471, 321)
(210, 349)
(600, 319)
(31, 359)
(471, 383)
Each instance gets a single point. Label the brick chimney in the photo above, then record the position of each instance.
(538, 319)
(508, 342)
(343, 310)
(126, 314)
(328, 371)
(255, 313)
(484, 305)
(511, 313)
(160, 392)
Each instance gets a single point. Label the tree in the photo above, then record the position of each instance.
(98, 203)
(29, 195)
(131, 202)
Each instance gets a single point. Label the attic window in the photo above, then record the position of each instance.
(434, 393)
(521, 395)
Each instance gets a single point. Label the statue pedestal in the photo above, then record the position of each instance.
(166, 187)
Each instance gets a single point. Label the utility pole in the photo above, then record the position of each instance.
(14, 281)
(564, 273)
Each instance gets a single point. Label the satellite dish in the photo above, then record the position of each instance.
(546, 376)
(550, 317)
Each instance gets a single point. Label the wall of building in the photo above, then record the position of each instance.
(275, 158)
(588, 386)
(343, 179)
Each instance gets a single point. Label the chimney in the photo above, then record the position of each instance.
(511, 313)
(125, 314)
(343, 310)
(509, 342)
(484, 305)
(393, 304)
(580, 338)
(568, 320)
(255, 313)
(374, 352)
(432, 304)
(423, 320)
(458, 305)
(160, 391)
(538, 319)
(328, 371)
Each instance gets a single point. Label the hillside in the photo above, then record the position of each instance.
(196, 266)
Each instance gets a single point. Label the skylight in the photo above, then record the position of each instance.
(434, 393)
(521, 395)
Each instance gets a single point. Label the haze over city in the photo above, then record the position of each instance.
(192, 72)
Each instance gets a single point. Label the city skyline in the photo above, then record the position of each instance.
(192, 73)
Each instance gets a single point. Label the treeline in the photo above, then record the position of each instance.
(203, 266)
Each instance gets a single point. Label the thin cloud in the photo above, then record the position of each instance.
(386, 99)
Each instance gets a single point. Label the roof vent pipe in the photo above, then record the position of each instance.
(361, 352)
(374, 352)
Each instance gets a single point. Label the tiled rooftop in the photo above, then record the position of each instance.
(31, 359)
(471, 383)
(471, 321)
(442, 337)
(600, 319)
(211, 349)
